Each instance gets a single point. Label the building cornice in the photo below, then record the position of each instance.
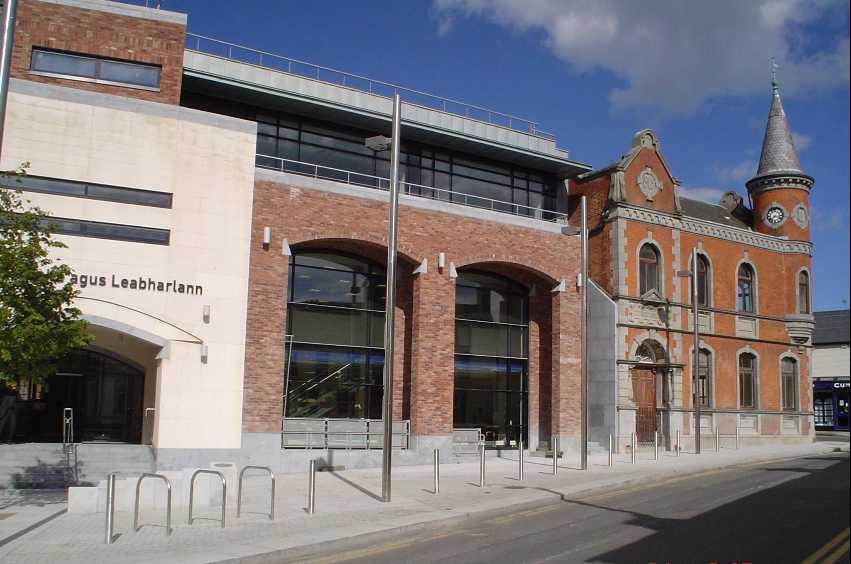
(710, 229)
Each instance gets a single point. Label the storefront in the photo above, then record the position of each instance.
(830, 404)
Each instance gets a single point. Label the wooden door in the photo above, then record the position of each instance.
(644, 391)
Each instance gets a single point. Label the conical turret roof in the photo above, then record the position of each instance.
(778, 149)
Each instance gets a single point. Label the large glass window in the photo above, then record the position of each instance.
(648, 269)
(745, 289)
(336, 317)
(803, 292)
(789, 383)
(95, 69)
(427, 171)
(747, 380)
(704, 378)
(704, 287)
(491, 327)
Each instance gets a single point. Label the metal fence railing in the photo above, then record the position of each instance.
(265, 59)
(408, 188)
(322, 433)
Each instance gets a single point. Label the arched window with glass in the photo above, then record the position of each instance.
(335, 315)
(803, 292)
(704, 282)
(789, 384)
(648, 269)
(745, 288)
(747, 380)
(704, 378)
(491, 357)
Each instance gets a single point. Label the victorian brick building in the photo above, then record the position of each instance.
(171, 157)
(753, 293)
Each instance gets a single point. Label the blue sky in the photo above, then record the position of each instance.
(595, 71)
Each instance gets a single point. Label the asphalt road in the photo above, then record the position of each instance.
(795, 510)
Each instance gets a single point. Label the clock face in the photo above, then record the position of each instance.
(775, 216)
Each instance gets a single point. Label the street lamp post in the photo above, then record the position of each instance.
(696, 328)
(9, 9)
(390, 307)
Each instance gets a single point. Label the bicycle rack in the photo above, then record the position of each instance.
(136, 525)
(224, 493)
(239, 495)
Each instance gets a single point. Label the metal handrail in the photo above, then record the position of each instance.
(365, 84)
(67, 426)
(224, 493)
(136, 525)
(411, 189)
(239, 495)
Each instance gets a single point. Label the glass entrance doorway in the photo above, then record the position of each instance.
(104, 393)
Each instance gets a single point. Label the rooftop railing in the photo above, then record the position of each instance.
(409, 188)
(265, 59)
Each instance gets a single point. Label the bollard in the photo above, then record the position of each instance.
(520, 459)
(717, 444)
(737, 436)
(679, 447)
(555, 456)
(110, 508)
(611, 440)
(634, 448)
(436, 471)
(656, 446)
(482, 467)
(311, 488)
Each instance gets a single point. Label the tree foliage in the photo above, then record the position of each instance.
(38, 324)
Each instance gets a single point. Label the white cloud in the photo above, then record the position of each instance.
(711, 195)
(833, 220)
(801, 141)
(738, 172)
(675, 55)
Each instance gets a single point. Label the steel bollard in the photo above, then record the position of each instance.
(520, 459)
(737, 436)
(555, 456)
(717, 443)
(634, 448)
(656, 446)
(110, 508)
(482, 467)
(311, 488)
(679, 446)
(611, 446)
(436, 471)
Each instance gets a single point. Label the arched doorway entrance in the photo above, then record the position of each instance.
(104, 391)
(648, 388)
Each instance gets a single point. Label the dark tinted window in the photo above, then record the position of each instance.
(92, 191)
(95, 68)
(100, 230)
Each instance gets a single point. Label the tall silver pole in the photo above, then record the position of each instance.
(389, 321)
(110, 508)
(436, 471)
(583, 458)
(696, 324)
(10, 7)
(311, 487)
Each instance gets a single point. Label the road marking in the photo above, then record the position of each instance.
(842, 536)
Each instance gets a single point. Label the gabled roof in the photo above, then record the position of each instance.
(646, 138)
(832, 327)
(715, 213)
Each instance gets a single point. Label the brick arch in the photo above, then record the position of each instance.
(516, 270)
(369, 247)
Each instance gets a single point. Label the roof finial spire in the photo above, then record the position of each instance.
(775, 86)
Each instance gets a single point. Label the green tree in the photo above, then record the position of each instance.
(37, 321)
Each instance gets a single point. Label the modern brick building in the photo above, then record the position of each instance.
(229, 230)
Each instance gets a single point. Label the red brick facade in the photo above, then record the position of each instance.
(614, 245)
(90, 32)
(424, 377)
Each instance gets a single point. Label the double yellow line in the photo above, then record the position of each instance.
(835, 548)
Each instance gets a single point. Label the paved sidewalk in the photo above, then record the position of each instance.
(348, 505)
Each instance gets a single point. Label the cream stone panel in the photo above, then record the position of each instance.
(208, 166)
(831, 362)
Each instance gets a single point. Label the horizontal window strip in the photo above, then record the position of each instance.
(95, 69)
(91, 191)
(115, 231)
